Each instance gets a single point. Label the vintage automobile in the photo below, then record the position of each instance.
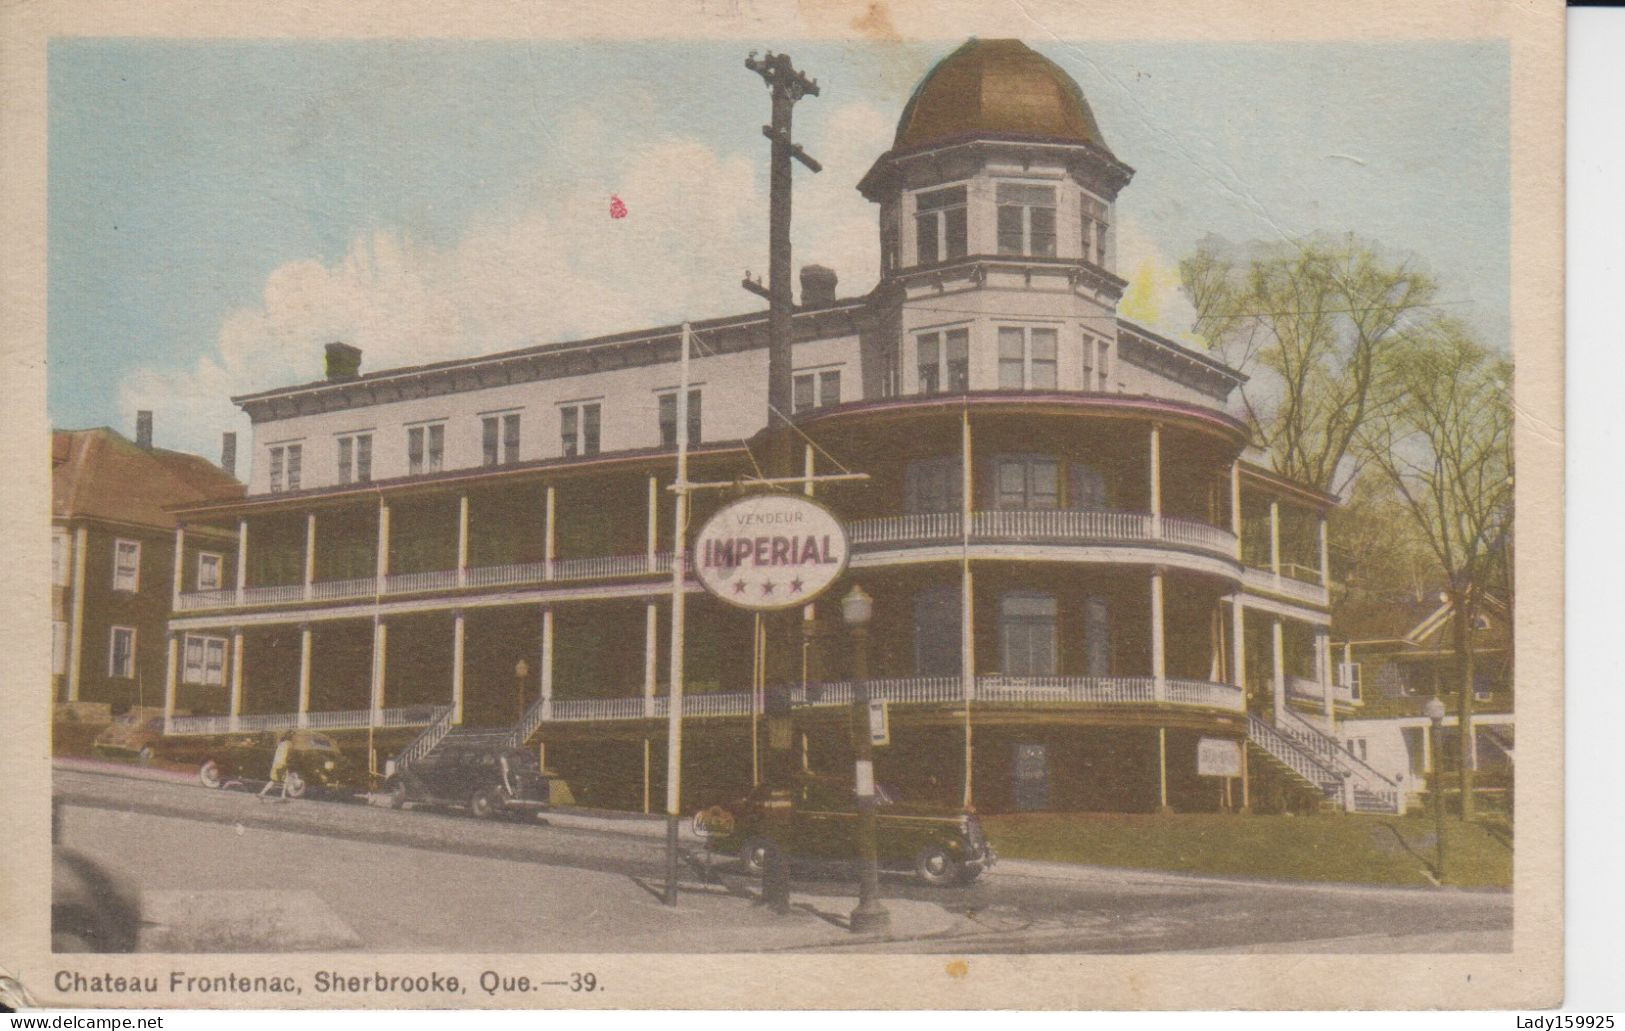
(941, 846)
(134, 735)
(487, 780)
(315, 763)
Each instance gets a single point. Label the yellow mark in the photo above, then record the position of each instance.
(958, 968)
(1139, 302)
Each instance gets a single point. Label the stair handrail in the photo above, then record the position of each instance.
(427, 738)
(1288, 751)
(533, 718)
(1344, 756)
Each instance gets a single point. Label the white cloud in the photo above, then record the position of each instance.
(550, 266)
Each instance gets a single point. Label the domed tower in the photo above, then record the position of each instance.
(997, 198)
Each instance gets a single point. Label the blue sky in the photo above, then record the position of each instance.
(218, 210)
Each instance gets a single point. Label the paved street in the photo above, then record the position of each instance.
(225, 871)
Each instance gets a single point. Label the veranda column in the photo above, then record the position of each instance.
(1323, 672)
(1159, 658)
(1278, 669)
(549, 532)
(242, 558)
(236, 703)
(310, 552)
(1156, 479)
(76, 635)
(1235, 504)
(382, 563)
(967, 605)
(1162, 770)
(654, 516)
(171, 672)
(547, 661)
(462, 539)
(305, 644)
(380, 659)
(651, 655)
(180, 567)
(1275, 537)
(457, 631)
(1325, 563)
(1238, 645)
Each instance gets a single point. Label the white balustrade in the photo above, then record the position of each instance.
(346, 719)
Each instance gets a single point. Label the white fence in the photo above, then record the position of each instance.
(346, 719)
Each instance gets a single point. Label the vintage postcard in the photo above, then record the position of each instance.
(740, 504)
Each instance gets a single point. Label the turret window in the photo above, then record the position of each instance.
(939, 225)
(1026, 358)
(1096, 231)
(425, 448)
(944, 361)
(1026, 219)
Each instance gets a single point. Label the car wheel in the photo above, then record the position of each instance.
(209, 774)
(483, 805)
(936, 867)
(294, 784)
(754, 855)
(145, 755)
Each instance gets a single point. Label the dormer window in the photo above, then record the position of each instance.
(1026, 219)
(939, 225)
(1096, 231)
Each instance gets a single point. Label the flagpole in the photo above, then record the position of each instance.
(674, 714)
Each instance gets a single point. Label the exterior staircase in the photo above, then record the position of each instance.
(443, 734)
(1316, 762)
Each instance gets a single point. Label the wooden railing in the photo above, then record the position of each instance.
(347, 719)
(425, 742)
(1264, 580)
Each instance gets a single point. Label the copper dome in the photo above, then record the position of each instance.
(996, 87)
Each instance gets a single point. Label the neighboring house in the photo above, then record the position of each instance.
(1081, 576)
(113, 564)
(1397, 675)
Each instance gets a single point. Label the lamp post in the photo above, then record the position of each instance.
(521, 670)
(1434, 710)
(856, 609)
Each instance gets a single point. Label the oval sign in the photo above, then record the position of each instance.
(770, 551)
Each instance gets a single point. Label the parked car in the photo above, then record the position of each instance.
(487, 780)
(940, 845)
(134, 735)
(314, 763)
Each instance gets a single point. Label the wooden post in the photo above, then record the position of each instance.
(1235, 504)
(305, 647)
(1278, 660)
(76, 635)
(458, 630)
(236, 702)
(171, 678)
(550, 535)
(180, 567)
(646, 776)
(1275, 537)
(310, 552)
(1159, 673)
(1156, 479)
(1162, 770)
(462, 539)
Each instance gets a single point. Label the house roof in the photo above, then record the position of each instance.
(101, 474)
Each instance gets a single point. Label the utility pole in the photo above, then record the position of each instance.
(787, 86)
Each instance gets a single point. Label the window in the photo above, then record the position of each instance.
(1096, 231)
(286, 466)
(1027, 634)
(1356, 747)
(1097, 637)
(578, 429)
(204, 660)
(1026, 219)
(944, 361)
(1026, 358)
(59, 557)
(1086, 488)
(934, 485)
(121, 653)
(939, 225)
(209, 564)
(937, 639)
(126, 565)
(817, 389)
(59, 646)
(668, 418)
(1026, 482)
(425, 448)
(499, 439)
(355, 458)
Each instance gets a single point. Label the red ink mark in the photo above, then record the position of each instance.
(617, 207)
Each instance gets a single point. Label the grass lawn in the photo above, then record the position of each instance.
(1354, 849)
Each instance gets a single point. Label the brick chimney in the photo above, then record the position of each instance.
(228, 453)
(817, 285)
(343, 361)
(143, 428)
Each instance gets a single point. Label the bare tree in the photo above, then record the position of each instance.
(1312, 323)
(1445, 444)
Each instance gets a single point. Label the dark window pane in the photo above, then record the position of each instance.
(1043, 232)
(589, 429)
(363, 458)
(489, 440)
(925, 238)
(510, 438)
(804, 386)
(1010, 229)
(829, 387)
(414, 450)
(953, 221)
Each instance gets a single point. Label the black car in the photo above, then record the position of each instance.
(486, 780)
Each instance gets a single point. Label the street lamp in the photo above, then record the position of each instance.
(521, 670)
(856, 610)
(1434, 710)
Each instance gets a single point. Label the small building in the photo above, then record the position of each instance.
(114, 575)
(1082, 576)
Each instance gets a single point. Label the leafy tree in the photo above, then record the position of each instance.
(1444, 443)
(1312, 323)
